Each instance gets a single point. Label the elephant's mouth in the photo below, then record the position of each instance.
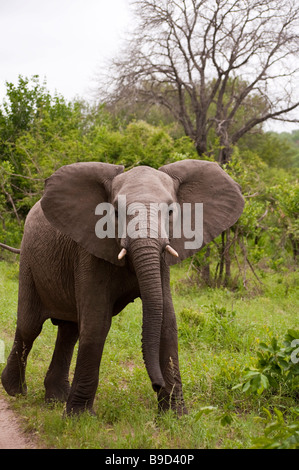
(168, 248)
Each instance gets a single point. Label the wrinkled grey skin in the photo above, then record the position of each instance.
(70, 275)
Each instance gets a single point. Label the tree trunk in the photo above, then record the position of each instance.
(224, 264)
(201, 145)
(224, 155)
(294, 244)
(227, 259)
(221, 261)
(205, 271)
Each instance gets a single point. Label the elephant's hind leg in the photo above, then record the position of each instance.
(13, 376)
(57, 379)
(29, 326)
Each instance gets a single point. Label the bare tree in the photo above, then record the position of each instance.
(221, 66)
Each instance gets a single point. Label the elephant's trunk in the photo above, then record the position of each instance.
(145, 255)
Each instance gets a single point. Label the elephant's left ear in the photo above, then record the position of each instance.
(200, 181)
(69, 203)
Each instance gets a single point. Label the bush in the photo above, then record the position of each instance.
(277, 367)
(278, 434)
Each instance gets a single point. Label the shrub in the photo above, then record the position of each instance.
(278, 434)
(276, 365)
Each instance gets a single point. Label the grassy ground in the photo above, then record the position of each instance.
(219, 335)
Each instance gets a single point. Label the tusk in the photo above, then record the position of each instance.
(122, 253)
(171, 251)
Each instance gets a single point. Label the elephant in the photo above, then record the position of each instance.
(80, 279)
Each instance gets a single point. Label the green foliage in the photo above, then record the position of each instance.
(193, 317)
(276, 150)
(286, 204)
(23, 105)
(213, 324)
(279, 434)
(225, 419)
(144, 144)
(40, 132)
(276, 366)
(221, 328)
(267, 231)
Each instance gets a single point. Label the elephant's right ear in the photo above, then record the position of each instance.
(71, 196)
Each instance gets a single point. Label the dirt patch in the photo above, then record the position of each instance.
(11, 435)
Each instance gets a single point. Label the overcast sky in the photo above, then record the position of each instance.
(66, 41)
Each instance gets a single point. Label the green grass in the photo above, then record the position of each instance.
(219, 333)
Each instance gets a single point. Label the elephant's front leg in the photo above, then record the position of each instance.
(86, 378)
(170, 397)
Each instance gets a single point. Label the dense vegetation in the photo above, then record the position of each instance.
(39, 133)
(236, 300)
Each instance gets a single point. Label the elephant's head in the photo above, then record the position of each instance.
(75, 202)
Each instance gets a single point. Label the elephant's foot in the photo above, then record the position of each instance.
(74, 410)
(78, 411)
(77, 404)
(56, 390)
(171, 401)
(13, 383)
(57, 394)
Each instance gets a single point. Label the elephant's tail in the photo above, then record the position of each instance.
(9, 248)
